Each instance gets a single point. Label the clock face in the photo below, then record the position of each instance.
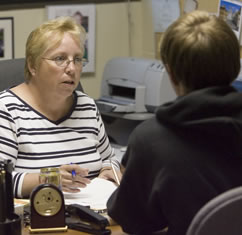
(47, 201)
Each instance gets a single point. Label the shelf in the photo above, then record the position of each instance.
(129, 116)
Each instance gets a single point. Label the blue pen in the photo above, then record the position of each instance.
(73, 173)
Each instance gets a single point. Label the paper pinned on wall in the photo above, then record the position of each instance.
(164, 13)
(190, 5)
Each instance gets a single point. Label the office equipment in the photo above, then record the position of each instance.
(131, 90)
(89, 221)
(47, 207)
(221, 215)
(73, 174)
(114, 172)
(134, 85)
(10, 223)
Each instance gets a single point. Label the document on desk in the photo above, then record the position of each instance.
(95, 194)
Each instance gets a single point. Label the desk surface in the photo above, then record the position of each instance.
(116, 230)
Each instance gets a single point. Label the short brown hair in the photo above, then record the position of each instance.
(48, 36)
(201, 51)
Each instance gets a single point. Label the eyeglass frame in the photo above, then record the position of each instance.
(66, 62)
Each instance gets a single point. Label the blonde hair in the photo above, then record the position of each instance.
(201, 51)
(48, 36)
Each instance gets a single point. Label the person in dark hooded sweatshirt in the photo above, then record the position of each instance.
(191, 151)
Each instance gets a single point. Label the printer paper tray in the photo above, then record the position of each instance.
(116, 100)
(113, 107)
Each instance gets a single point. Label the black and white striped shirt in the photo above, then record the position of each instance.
(32, 141)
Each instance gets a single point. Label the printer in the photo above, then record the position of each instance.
(134, 85)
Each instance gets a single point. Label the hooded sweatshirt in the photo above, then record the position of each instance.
(190, 152)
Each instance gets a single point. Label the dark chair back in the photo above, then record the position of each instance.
(220, 216)
(11, 72)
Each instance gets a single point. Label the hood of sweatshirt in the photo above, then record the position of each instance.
(214, 113)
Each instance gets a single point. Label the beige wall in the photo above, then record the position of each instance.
(208, 5)
(24, 22)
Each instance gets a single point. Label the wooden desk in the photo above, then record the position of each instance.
(116, 230)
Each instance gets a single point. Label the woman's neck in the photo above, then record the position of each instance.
(52, 106)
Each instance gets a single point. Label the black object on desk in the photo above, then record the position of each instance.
(10, 223)
(83, 219)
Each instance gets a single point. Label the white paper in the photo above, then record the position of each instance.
(164, 13)
(190, 5)
(95, 194)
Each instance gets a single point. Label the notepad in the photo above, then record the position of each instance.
(95, 194)
(19, 205)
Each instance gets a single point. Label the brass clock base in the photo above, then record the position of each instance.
(46, 230)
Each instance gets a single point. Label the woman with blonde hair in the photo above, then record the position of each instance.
(45, 122)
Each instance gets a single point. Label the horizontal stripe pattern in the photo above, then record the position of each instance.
(32, 141)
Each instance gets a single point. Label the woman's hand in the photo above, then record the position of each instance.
(108, 174)
(73, 183)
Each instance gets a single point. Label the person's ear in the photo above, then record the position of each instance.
(31, 68)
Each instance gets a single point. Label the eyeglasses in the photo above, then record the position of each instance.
(63, 61)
